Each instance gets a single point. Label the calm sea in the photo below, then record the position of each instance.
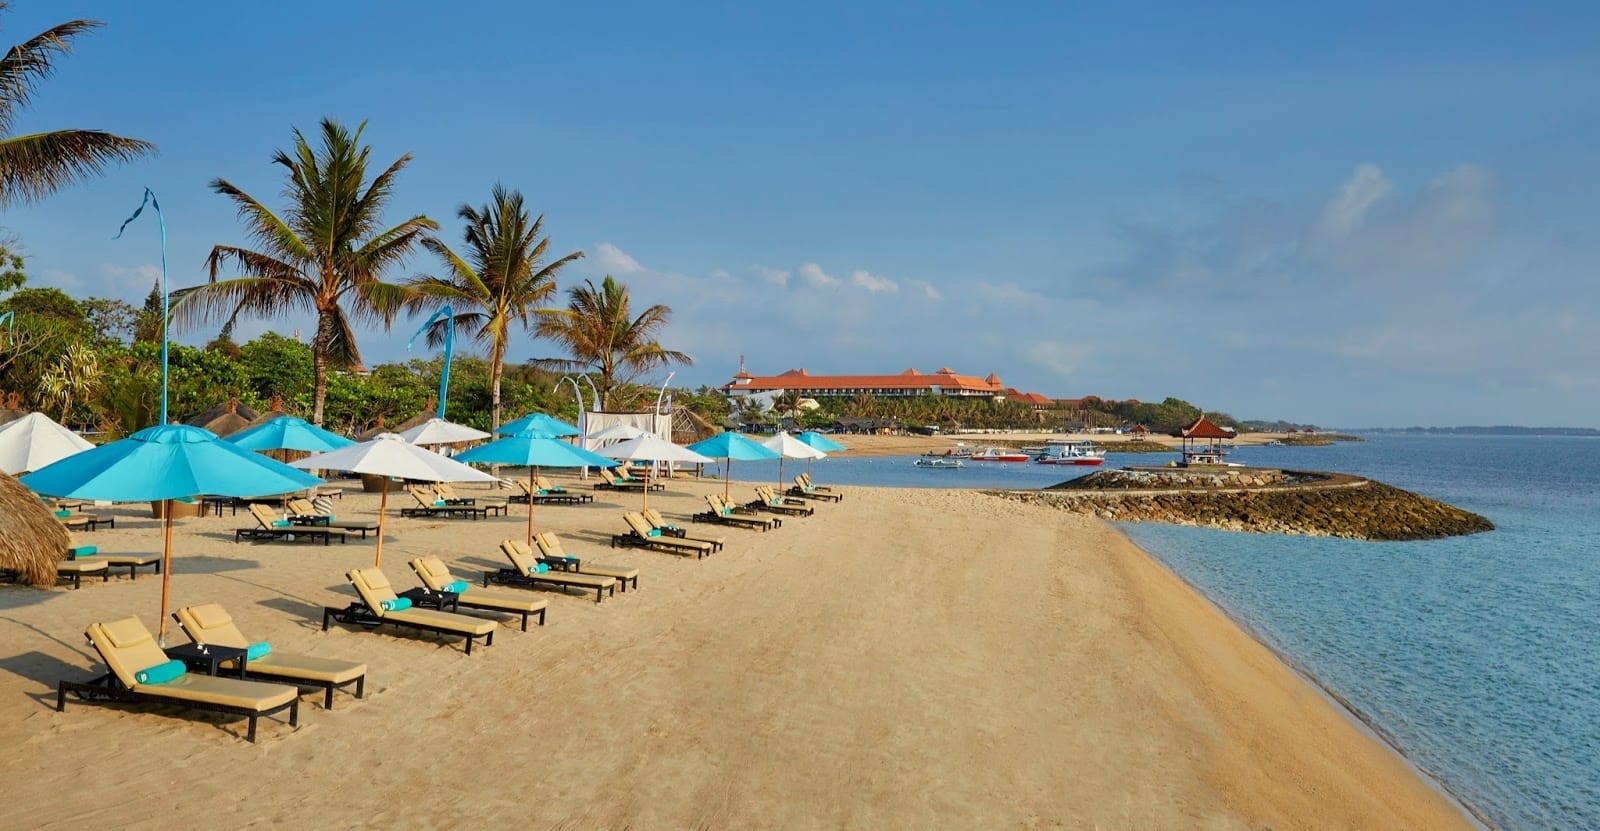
(1477, 656)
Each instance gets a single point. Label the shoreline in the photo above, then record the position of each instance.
(859, 646)
(1358, 719)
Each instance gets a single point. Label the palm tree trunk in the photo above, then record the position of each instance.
(319, 385)
(497, 361)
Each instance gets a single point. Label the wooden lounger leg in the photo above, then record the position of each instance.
(61, 696)
(541, 617)
(251, 735)
(361, 686)
(327, 701)
(294, 712)
(524, 621)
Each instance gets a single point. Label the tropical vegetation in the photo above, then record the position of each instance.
(604, 337)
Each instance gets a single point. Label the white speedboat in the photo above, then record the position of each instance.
(938, 462)
(1080, 453)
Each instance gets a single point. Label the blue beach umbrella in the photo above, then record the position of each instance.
(288, 433)
(533, 449)
(163, 463)
(820, 442)
(731, 446)
(538, 423)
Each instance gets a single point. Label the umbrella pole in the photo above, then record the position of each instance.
(646, 501)
(383, 508)
(780, 474)
(530, 507)
(166, 568)
(727, 474)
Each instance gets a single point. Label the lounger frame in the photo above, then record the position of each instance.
(515, 577)
(110, 688)
(326, 686)
(358, 614)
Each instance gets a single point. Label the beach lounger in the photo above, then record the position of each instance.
(84, 522)
(641, 535)
(379, 605)
(133, 562)
(610, 479)
(722, 513)
(660, 523)
(767, 500)
(301, 512)
(428, 506)
(436, 576)
(131, 653)
(528, 572)
(552, 553)
(805, 490)
(269, 526)
(447, 494)
(73, 571)
(544, 493)
(211, 624)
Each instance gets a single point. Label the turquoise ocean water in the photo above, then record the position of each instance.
(1477, 656)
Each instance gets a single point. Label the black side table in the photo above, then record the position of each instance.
(425, 598)
(207, 658)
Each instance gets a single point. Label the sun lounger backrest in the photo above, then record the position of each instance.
(301, 507)
(550, 544)
(127, 646)
(800, 482)
(521, 486)
(263, 514)
(637, 523)
(654, 517)
(520, 556)
(715, 502)
(424, 498)
(373, 587)
(432, 572)
(210, 623)
(544, 484)
(444, 491)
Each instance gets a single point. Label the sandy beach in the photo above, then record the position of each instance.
(903, 659)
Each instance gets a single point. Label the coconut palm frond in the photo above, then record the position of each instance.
(377, 302)
(337, 342)
(32, 61)
(263, 225)
(261, 296)
(38, 164)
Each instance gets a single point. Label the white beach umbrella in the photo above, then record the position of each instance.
(789, 447)
(437, 431)
(34, 441)
(389, 455)
(650, 448)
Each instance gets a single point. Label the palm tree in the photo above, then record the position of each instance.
(325, 255)
(35, 165)
(600, 333)
(502, 280)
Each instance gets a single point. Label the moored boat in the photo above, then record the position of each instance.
(938, 462)
(999, 454)
(1080, 453)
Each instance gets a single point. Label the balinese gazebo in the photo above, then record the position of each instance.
(1140, 431)
(379, 427)
(32, 540)
(1202, 442)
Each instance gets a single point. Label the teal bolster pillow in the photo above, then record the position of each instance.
(457, 586)
(542, 492)
(280, 523)
(438, 503)
(63, 514)
(541, 568)
(727, 511)
(396, 604)
(653, 532)
(257, 651)
(83, 550)
(160, 673)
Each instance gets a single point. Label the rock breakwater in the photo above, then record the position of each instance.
(1260, 500)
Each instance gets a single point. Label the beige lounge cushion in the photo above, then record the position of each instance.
(145, 559)
(306, 668)
(433, 572)
(94, 566)
(229, 692)
(210, 616)
(442, 620)
(506, 602)
(618, 572)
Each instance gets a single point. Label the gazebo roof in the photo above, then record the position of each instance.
(409, 423)
(31, 540)
(1203, 428)
(226, 418)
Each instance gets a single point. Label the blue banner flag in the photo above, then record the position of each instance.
(449, 316)
(161, 219)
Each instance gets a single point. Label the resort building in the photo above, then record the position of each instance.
(905, 384)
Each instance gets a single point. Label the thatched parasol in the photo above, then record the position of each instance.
(13, 408)
(32, 541)
(409, 423)
(225, 419)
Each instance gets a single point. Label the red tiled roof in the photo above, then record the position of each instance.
(945, 378)
(1204, 429)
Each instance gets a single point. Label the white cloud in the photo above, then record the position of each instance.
(614, 260)
(927, 289)
(1347, 210)
(773, 275)
(815, 276)
(127, 282)
(721, 274)
(874, 283)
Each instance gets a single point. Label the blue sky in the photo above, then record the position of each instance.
(1361, 215)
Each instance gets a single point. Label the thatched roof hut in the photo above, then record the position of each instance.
(225, 419)
(31, 540)
(12, 409)
(688, 427)
(380, 427)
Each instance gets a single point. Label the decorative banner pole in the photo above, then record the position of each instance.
(449, 316)
(161, 219)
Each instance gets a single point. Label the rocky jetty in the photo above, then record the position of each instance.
(1260, 500)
